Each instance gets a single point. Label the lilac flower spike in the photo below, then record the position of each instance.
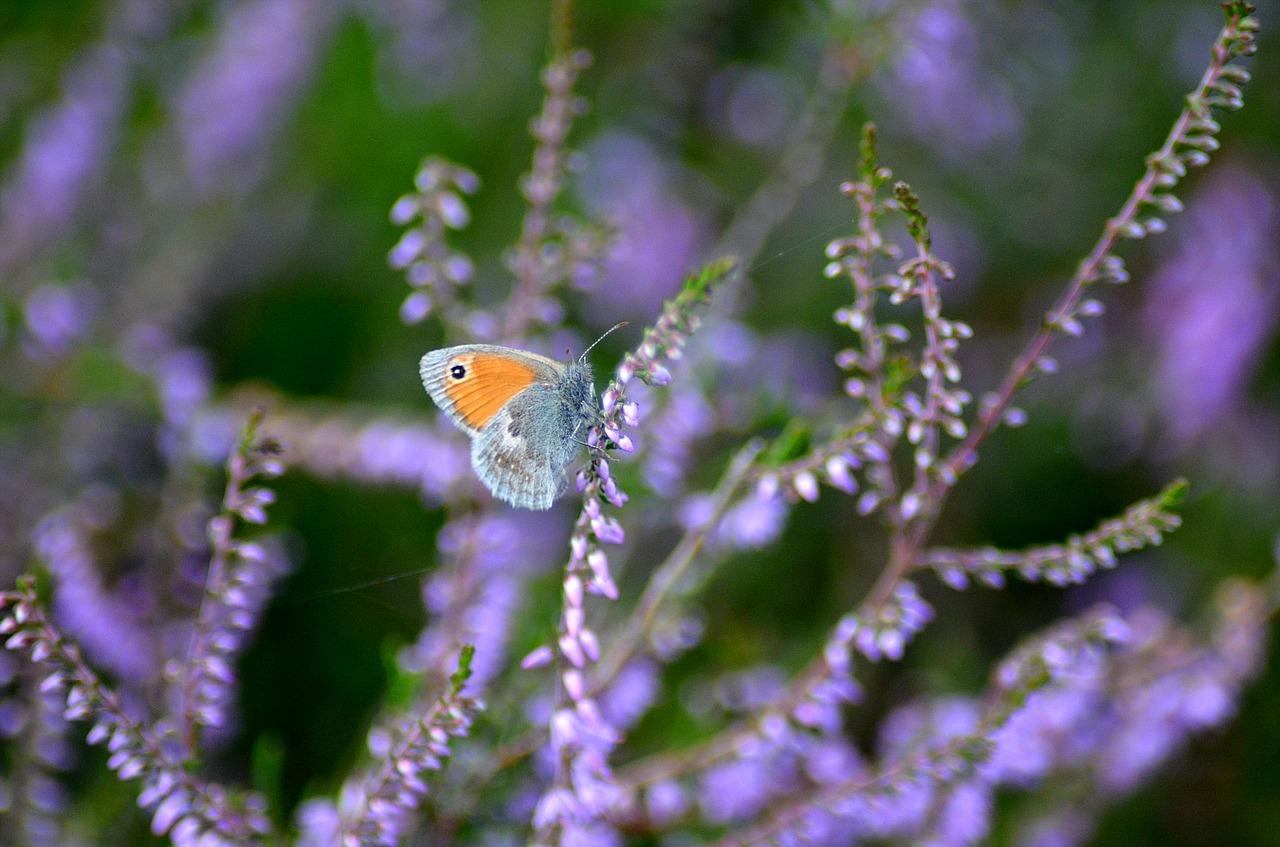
(387, 799)
(939, 796)
(1142, 524)
(1096, 703)
(237, 587)
(431, 266)
(185, 808)
(584, 791)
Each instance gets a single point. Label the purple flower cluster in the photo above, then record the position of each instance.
(100, 620)
(188, 811)
(430, 265)
(922, 789)
(553, 249)
(1143, 524)
(1101, 697)
(1210, 311)
(64, 153)
(31, 719)
(893, 409)
(573, 810)
(1101, 700)
(936, 792)
(954, 101)
(56, 316)
(379, 809)
(237, 587)
(238, 91)
(488, 560)
(349, 445)
(184, 808)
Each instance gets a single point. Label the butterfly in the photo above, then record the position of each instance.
(527, 415)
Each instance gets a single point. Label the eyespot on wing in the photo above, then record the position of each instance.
(478, 385)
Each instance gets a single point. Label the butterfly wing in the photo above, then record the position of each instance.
(472, 382)
(520, 455)
(507, 401)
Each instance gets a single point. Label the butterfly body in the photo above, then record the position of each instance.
(527, 415)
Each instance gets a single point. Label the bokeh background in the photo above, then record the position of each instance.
(194, 205)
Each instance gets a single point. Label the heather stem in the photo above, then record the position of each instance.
(1093, 267)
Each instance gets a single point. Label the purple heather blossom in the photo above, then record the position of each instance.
(1027, 745)
(965, 816)
(830, 759)
(938, 76)
(887, 630)
(1212, 308)
(658, 233)
(630, 694)
(754, 522)
(64, 152)
(184, 381)
(56, 315)
(381, 807)
(386, 450)
(911, 728)
(737, 789)
(34, 799)
(382, 451)
(499, 553)
(665, 802)
(242, 90)
(685, 417)
(83, 605)
(237, 586)
(1105, 701)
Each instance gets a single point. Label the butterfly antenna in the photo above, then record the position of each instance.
(618, 325)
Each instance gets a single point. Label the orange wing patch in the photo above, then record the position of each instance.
(480, 384)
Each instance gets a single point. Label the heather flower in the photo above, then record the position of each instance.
(237, 587)
(473, 599)
(874, 445)
(1209, 324)
(552, 249)
(58, 315)
(684, 417)
(581, 737)
(1141, 525)
(184, 807)
(754, 521)
(99, 619)
(657, 234)
(241, 88)
(332, 445)
(379, 809)
(953, 103)
(31, 716)
(431, 266)
(64, 152)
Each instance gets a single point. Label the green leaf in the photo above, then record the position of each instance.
(791, 444)
(463, 673)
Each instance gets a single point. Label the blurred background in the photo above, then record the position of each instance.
(194, 203)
